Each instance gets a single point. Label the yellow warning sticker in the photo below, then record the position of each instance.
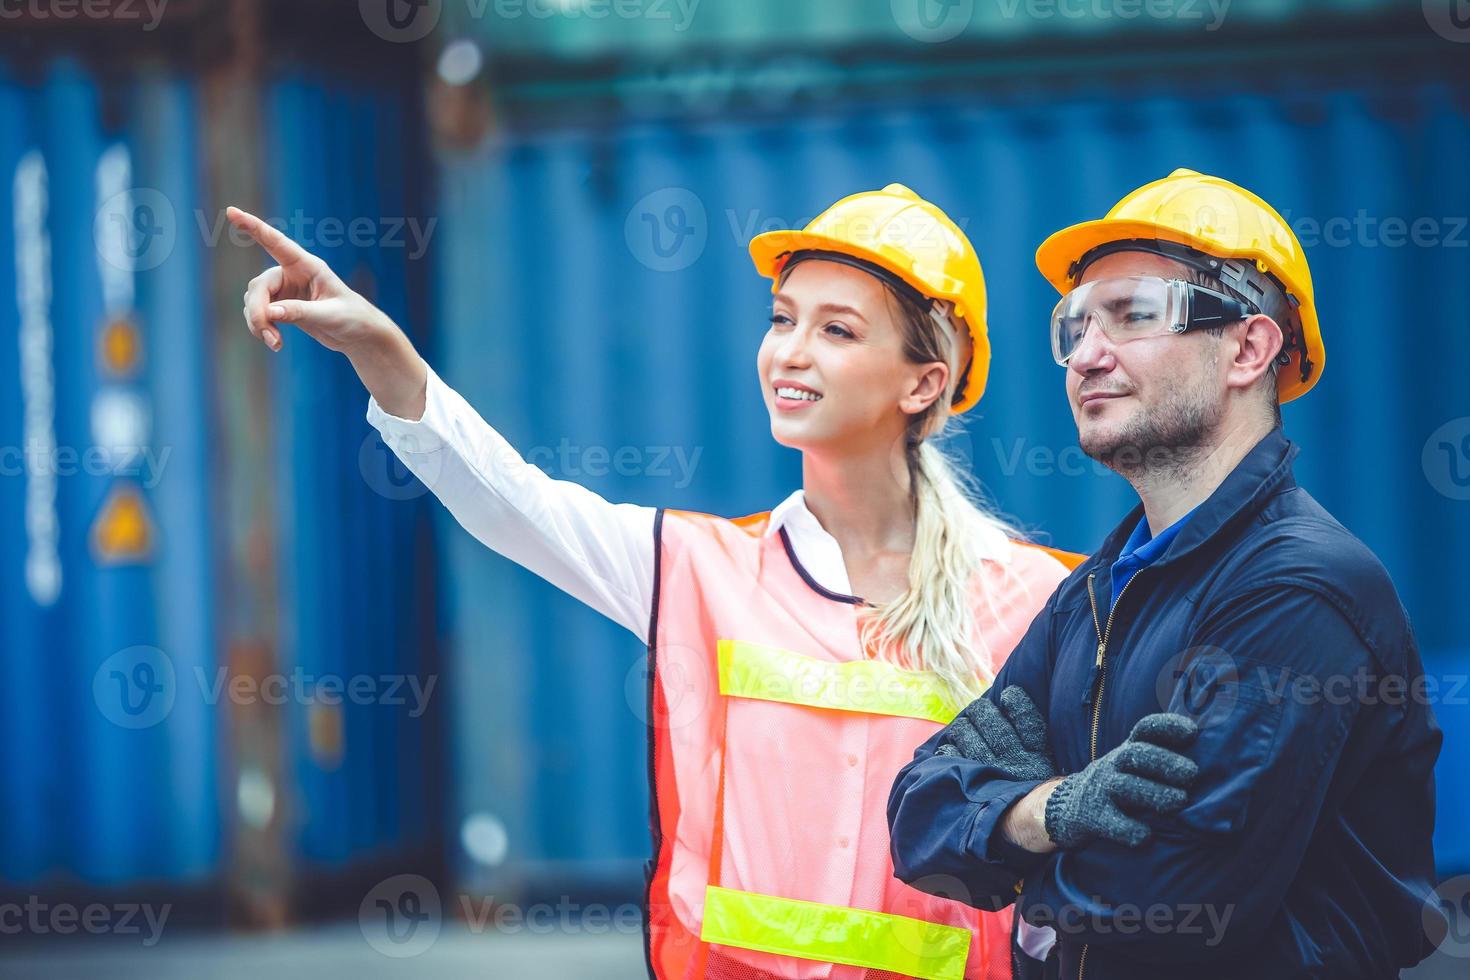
(123, 532)
(121, 347)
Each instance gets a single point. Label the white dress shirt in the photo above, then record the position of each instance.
(592, 549)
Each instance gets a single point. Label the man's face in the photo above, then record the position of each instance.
(1147, 401)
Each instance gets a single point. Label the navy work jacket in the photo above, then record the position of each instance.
(1304, 849)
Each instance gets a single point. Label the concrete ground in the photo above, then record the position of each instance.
(342, 953)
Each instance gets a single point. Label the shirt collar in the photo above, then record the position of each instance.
(1264, 472)
(793, 512)
(1145, 546)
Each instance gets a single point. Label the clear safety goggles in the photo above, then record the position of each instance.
(1130, 308)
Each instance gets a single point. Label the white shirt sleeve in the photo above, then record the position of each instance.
(594, 550)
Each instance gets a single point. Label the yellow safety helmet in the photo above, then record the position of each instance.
(907, 236)
(1220, 220)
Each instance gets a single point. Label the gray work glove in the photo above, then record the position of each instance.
(1145, 775)
(1011, 738)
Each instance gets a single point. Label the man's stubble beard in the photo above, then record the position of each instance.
(1164, 440)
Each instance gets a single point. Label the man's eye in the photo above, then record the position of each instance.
(1140, 317)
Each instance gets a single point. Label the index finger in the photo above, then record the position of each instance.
(272, 239)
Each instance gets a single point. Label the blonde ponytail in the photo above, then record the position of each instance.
(931, 626)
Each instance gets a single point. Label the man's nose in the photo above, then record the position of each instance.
(1094, 352)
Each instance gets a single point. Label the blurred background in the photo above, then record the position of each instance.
(265, 707)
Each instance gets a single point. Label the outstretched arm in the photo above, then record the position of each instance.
(595, 550)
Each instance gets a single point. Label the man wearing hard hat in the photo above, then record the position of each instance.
(1229, 771)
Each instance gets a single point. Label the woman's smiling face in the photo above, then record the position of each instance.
(832, 366)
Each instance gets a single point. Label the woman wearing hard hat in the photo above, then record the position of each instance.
(796, 656)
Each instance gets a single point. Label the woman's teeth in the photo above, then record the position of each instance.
(798, 393)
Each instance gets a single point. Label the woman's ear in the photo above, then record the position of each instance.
(929, 383)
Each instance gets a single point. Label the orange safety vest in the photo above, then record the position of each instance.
(774, 741)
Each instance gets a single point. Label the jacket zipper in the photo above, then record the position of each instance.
(1103, 632)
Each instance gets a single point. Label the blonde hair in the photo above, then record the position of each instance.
(931, 625)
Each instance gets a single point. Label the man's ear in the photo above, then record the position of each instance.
(928, 385)
(1258, 340)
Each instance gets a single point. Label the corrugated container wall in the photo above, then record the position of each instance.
(597, 298)
(115, 696)
(345, 177)
(110, 772)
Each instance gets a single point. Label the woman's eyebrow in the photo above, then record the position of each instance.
(822, 307)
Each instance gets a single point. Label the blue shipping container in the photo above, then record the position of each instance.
(595, 291)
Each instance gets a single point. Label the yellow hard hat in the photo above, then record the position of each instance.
(1219, 219)
(902, 233)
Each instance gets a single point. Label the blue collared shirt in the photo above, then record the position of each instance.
(1142, 548)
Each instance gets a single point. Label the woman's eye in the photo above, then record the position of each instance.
(780, 320)
(840, 331)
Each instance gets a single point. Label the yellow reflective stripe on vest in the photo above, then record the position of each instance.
(749, 670)
(834, 934)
